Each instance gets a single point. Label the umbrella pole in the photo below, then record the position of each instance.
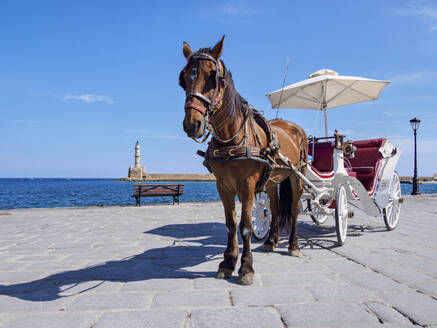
(326, 121)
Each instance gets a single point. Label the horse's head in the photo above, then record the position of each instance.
(203, 81)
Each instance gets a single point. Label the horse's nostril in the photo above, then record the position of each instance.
(198, 123)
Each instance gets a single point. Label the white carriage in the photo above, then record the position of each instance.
(341, 175)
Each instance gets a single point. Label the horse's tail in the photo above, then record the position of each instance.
(285, 198)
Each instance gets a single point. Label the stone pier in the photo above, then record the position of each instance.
(154, 266)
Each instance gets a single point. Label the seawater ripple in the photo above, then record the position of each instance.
(48, 192)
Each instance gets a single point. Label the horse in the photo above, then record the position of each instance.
(246, 154)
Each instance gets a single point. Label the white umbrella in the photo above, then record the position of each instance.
(326, 89)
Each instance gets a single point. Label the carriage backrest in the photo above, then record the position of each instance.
(366, 161)
(367, 154)
(322, 157)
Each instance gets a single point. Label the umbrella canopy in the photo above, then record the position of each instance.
(326, 89)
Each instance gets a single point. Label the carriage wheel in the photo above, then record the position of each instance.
(261, 216)
(393, 210)
(318, 215)
(341, 214)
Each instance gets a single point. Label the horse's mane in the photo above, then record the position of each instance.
(232, 99)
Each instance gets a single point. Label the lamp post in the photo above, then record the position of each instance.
(415, 125)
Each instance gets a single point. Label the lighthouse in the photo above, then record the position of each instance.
(137, 172)
(137, 155)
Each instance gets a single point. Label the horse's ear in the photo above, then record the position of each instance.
(186, 50)
(216, 52)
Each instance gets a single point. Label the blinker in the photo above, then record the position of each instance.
(193, 75)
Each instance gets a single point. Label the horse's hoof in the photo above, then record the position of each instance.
(269, 247)
(294, 252)
(223, 274)
(246, 279)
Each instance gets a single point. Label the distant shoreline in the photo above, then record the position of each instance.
(424, 180)
(211, 177)
(173, 177)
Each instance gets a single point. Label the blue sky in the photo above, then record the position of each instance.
(81, 81)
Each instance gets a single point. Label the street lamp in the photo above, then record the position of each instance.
(415, 125)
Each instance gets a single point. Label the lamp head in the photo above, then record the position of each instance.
(415, 123)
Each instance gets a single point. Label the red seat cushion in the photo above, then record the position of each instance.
(366, 160)
(322, 157)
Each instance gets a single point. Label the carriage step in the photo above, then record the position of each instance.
(350, 214)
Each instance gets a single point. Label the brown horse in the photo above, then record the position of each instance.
(240, 155)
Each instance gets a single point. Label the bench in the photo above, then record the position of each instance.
(157, 190)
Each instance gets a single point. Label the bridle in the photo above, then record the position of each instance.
(215, 103)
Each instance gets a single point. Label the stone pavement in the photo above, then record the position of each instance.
(154, 266)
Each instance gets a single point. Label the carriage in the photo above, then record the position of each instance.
(250, 155)
(343, 176)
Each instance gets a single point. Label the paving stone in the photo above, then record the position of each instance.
(292, 279)
(53, 320)
(418, 307)
(375, 281)
(236, 317)
(406, 274)
(336, 278)
(318, 252)
(72, 288)
(56, 266)
(429, 289)
(11, 277)
(144, 319)
(387, 314)
(192, 299)
(281, 265)
(157, 285)
(397, 325)
(367, 258)
(343, 265)
(96, 302)
(32, 302)
(114, 252)
(11, 266)
(325, 315)
(37, 258)
(341, 293)
(270, 296)
(26, 251)
(213, 283)
(36, 286)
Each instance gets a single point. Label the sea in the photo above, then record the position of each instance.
(48, 192)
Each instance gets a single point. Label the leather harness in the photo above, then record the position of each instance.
(241, 152)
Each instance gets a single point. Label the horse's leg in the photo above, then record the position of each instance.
(273, 239)
(227, 266)
(246, 193)
(297, 190)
